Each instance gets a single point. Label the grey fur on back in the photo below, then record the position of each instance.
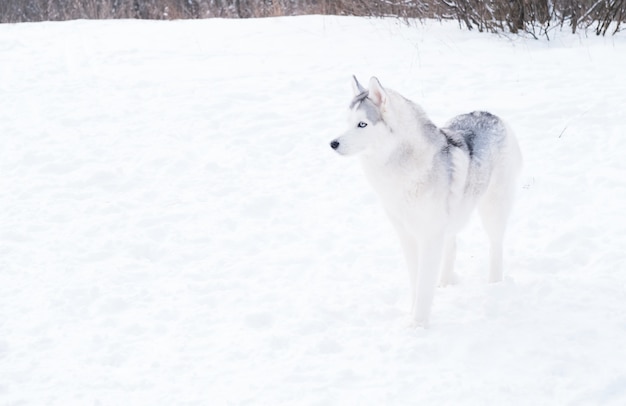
(478, 131)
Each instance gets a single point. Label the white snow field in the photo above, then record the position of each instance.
(175, 229)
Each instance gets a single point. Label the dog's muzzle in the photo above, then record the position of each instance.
(334, 144)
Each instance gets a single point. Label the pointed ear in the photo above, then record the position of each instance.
(377, 92)
(357, 89)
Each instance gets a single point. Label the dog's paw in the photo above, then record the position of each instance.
(417, 324)
(449, 280)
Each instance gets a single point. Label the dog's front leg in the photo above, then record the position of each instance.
(409, 249)
(430, 253)
(448, 276)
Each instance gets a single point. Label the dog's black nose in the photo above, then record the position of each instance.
(334, 144)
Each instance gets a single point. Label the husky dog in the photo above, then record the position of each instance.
(430, 179)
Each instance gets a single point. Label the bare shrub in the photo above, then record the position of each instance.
(537, 17)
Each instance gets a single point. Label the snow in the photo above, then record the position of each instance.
(175, 229)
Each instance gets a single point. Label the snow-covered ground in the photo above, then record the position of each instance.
(175, 230)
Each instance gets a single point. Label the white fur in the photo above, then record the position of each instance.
(428, 198)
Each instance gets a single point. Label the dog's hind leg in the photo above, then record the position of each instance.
(494, 210)
(448, 276)
(495, 205)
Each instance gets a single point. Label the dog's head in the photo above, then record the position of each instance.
(366, 119)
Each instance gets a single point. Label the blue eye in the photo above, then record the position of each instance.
(362, 124)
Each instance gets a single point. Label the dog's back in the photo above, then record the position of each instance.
(480, 131)
(486, 139)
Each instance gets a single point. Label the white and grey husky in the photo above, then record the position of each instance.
(430, 179)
